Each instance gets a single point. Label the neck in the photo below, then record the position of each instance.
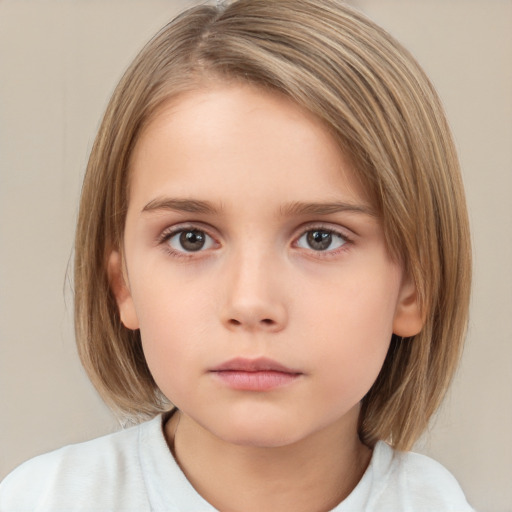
(314, 474)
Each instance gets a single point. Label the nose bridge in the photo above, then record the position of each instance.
(254, 298)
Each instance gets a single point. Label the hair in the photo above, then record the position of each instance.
(385, 115)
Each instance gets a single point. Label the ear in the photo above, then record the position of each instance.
(121, 290)
(409, 319)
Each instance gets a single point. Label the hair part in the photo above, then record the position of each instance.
(386, 116)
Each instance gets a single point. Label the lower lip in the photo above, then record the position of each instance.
(256, 381)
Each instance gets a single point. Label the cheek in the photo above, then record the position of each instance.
(354, 325)
(166, 299)
(175, 320)
(359, 306)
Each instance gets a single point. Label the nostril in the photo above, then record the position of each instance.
(264, 321)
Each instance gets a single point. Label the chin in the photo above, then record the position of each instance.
(259, 432)
(270, 439)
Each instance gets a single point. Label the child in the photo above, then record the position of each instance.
(272, 238)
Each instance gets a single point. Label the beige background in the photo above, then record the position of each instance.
(59, 61)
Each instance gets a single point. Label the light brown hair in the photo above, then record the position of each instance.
(385, 114)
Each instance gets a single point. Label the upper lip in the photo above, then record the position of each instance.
(261, 364)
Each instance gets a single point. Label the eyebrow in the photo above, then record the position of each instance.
(288, 210)
(180, 205)
(303, 208)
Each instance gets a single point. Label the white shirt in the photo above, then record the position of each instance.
(134, 470)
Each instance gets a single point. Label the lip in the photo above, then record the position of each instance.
(260, 374)
(260, 364)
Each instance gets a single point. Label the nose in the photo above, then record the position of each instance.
(254, 296)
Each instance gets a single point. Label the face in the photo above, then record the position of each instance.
(256, 269)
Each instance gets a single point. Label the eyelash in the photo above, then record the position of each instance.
(327, 253)
(169, 233)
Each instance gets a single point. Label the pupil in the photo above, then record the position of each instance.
(192, 240)
(319, 240)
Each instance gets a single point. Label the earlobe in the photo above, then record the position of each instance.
(409, 318)
(121, 291)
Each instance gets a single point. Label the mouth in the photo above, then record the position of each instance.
(254, 374)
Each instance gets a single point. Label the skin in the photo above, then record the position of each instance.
(237, 165)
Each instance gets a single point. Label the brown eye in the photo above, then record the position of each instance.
(190, 240)
(321, 240)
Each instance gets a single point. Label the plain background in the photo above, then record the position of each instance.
(59, 62)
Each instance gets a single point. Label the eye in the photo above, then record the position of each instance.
(190, 240)
(321, 240)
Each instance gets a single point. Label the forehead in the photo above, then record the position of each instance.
(245, 136)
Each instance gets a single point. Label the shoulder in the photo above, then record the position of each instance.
(411, 481)
(61, 479)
